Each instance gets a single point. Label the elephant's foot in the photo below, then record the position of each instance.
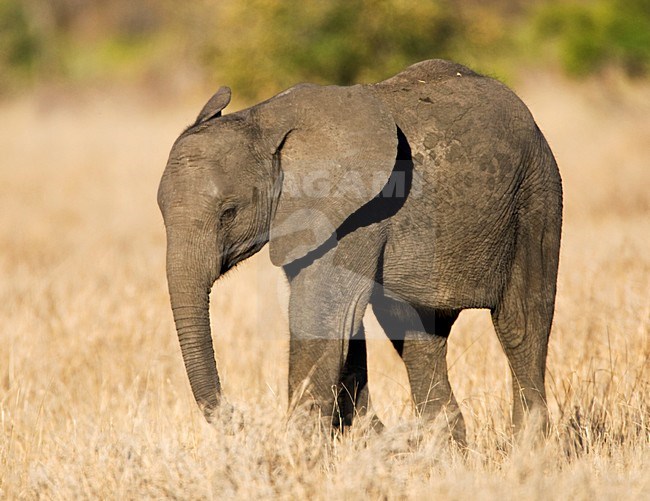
(456, 426)
(447, 422)
(531, 425)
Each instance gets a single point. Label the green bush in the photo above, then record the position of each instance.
(596, 34)
(262, 46)
(20, 47)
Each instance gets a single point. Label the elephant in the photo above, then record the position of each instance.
(425, 194)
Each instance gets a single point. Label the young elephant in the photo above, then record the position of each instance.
(425, 194)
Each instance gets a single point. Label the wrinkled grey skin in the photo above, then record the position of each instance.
(425, 194)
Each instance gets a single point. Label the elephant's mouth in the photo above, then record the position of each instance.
(232, 255)
(227, 261)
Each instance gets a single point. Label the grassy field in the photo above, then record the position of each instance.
(94, 401)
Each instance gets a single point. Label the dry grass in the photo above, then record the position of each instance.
(94, 401)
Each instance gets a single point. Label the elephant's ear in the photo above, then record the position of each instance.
(215, 105)
(338, 154)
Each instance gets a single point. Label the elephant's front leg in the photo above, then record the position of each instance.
(326, 307)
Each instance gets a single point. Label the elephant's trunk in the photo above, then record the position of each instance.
(192, 318)
(189, 291)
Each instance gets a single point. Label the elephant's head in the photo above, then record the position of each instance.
(289, 170)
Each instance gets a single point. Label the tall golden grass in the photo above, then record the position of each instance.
(94, 401)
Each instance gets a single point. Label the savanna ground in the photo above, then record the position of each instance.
(94, 401)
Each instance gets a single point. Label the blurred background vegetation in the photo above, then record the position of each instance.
(262, 46)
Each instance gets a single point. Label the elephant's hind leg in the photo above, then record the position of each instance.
(421, 340)
(522, 321)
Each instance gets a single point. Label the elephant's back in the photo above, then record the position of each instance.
(431, 70)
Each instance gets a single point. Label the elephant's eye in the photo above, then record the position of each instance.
(228, 215)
